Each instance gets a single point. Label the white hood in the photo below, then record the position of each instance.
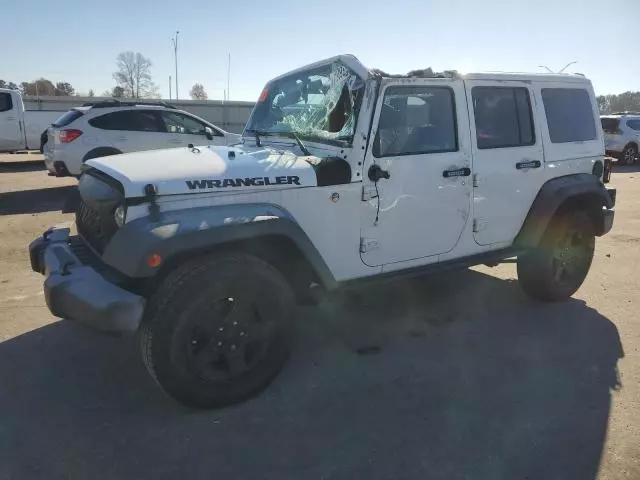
(208, 169)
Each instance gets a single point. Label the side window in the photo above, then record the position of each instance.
(503, 117)
(569, 114)
(175, 122)
(129, 120)
(416, 120)
(6, 102)
(633, 124)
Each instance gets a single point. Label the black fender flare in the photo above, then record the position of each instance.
(584, 189)
(100, 152)
(202, 229)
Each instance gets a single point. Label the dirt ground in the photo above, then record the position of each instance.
(458, 376)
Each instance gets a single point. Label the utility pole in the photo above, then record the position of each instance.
(228, 94)
(169, 87)
(175, 52)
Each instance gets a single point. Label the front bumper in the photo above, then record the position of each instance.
(77, 292)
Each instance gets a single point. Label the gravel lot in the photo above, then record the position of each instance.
(458, 376)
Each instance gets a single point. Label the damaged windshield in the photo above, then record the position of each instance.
(320, 103)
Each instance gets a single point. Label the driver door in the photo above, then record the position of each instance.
(421, 139)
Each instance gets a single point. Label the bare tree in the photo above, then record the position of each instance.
(41, 86)
(115, 92)
(197, 92)
(134, 75)
(92, 93)
(9, 85)
(627, 101)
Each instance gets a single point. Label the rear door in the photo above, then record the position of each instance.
(507, 157)
(11, 135)
(132, 130)
(183, 130)
(613, 136)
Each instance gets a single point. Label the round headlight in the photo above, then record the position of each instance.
(119, 215)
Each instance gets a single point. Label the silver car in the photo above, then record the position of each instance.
(622, 136)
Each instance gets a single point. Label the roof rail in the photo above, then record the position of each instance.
(625, 113)
(114, 102)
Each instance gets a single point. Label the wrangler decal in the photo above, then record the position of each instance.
(243, 182)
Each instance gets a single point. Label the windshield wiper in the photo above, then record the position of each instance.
(258, 133)
(304, 149)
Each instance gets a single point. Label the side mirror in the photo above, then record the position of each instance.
(208, 132)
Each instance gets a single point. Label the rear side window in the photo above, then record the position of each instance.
(633, 124)
(67, 117)
(129, 120)
(416, 120)
(569, 114)
(610, 125)
(6, 102)
(175, 122)
(503, 117)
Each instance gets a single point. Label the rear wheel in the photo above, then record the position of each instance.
(556, 268)
(629, 155)
(218, 330)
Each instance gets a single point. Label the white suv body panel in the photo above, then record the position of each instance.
(422, 217)
(125, 141)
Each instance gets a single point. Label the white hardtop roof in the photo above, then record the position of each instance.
(545, 77)
(620, 115)
(352, 62)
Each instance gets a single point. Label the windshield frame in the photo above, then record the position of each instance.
(354, 85)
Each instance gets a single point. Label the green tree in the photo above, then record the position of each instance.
(64, 89)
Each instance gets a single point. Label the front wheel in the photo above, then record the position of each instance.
(218, 330)
(556, 268)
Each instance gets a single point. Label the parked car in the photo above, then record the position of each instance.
(344, 176)
(622, 136)
(22, 129)
(112, 127)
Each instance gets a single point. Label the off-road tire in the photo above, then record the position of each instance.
(543, 273)
(172, 312)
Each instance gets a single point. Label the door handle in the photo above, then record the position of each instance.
(528, 164)
(457, 172)
(10, 119)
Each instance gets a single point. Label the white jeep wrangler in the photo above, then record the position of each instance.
(344, 174)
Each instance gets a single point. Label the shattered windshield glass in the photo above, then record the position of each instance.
(320, 103)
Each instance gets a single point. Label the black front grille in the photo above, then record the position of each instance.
(96, 228)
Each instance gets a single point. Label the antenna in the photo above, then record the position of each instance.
(544, 66)
(565, 67)
(559, 71)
